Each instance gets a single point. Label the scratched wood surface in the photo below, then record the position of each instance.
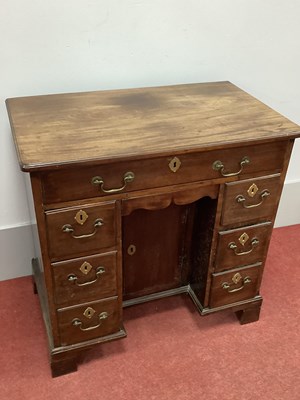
(55, 130)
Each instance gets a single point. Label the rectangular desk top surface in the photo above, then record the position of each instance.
(53, 131)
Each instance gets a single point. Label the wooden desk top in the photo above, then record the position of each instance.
(54, 130)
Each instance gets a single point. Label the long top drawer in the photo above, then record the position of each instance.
(107, 179)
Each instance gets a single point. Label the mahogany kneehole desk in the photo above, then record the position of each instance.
(145, 193)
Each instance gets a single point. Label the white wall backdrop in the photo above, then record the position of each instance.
(78, 45)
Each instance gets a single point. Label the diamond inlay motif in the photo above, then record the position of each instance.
(243, 238)
(89, 312)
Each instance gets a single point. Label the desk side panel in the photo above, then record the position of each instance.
(41, 267)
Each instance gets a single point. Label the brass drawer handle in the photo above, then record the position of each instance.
(74, 278)
(128, 177)
(219, 166)
(69, 229)
(227, 286)
(233, 246)
(78, 322)
(241, 199)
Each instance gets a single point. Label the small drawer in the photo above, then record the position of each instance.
(85, 279)
(251, 199)
(234, 285)
(242, 246)
(89, 321)
(73, 184)
(78, 231)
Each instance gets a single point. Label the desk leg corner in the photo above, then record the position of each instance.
(249, 314)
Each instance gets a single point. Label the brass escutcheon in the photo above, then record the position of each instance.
(85, 268)
(80, 217)
(243, 238)
(253, 189)
(131, 250)
(236, 278)
(89, 312)
(174, 164)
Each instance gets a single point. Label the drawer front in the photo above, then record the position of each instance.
(251, 199)
(80, 323)
(234, 285)
(128, 176)
(78, 231)
(85, 279)
(242, 246)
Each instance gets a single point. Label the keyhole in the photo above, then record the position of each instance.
(174, 164)
(131, 249)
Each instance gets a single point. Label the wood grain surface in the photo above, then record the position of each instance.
(55, 130)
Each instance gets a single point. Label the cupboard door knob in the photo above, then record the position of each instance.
(219, 166)
(98, 180)
(69, 229)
